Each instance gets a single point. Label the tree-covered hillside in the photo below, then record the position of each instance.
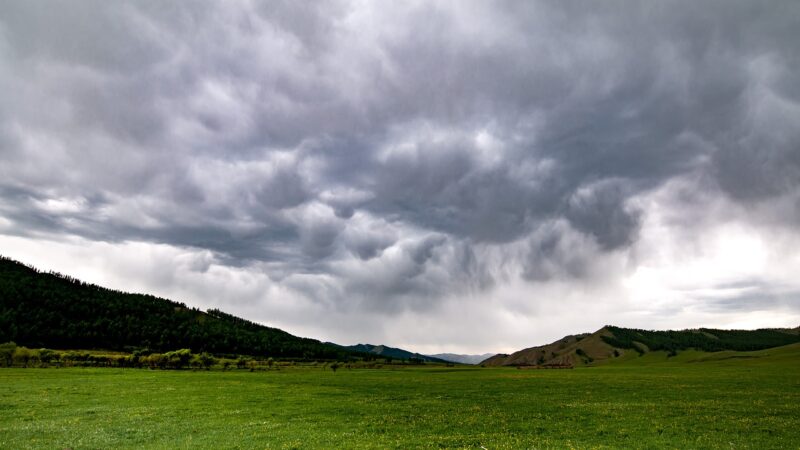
(705, 339)
(56, 311)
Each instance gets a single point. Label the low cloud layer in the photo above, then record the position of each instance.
(459, 177)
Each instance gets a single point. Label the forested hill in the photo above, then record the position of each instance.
(51, 310)
(705, 339)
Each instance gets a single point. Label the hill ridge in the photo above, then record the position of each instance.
(610, 342)
(49, 309)
(392, 352)
(462, 358)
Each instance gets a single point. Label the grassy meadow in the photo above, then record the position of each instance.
(727, 400)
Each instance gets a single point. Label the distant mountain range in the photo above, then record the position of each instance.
(463, 359)
(394, 353)
(612, 342)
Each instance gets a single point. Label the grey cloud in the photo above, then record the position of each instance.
(556, 252)
(761, 158)
(599, 210)
(312, 27)
(749, 295)
(318, 235)
(444, 188)
(344, 212)
(413, 278)
(369, 244)
(266, 132)
(423, 251)
(368, 248)
(94, 33)
(283, 189)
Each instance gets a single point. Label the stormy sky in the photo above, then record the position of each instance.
(439, 176)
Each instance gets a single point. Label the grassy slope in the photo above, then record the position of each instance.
(726, 402)
(562, 351)
(787, 354)
(593, 349)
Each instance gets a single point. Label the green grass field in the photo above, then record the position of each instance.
(730, 400)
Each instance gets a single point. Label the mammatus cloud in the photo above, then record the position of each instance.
(445, 177)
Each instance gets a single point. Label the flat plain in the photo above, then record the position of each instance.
(695, 400)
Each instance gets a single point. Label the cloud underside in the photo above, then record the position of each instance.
(413, 161)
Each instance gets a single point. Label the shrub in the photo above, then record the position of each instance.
(24, 356)
(206, 360)
(155, 361)
(46, 356)
(7, 354)
(179, 358)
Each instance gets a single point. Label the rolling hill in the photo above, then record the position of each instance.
(40, 309)
(462, 359)
(393, 353)
(610, 343)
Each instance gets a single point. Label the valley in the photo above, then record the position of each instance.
(719, 400)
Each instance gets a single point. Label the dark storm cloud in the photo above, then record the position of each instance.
(599, 211)
(317, 135)
(557, 251)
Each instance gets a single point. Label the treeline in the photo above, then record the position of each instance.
(12, 355)
(39, 309)
(705, 339)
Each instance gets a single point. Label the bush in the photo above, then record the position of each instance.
(46, 356)
(206, 360)
(7, 354)
(24, 356)
(155, 361)
(179, 358)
